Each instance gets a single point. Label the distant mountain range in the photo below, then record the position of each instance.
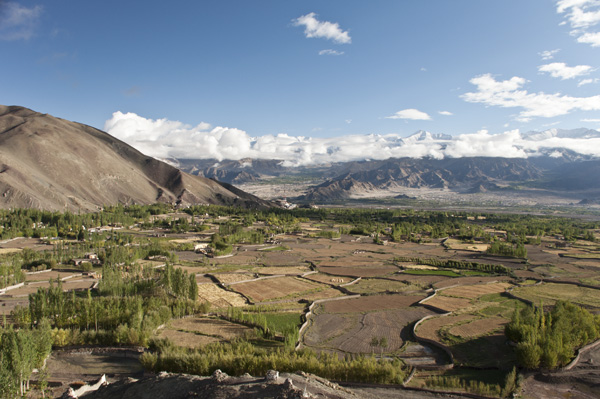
(552, 169)
(50, 163)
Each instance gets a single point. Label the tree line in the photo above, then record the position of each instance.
(549, 339)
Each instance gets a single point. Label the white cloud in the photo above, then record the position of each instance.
(322, 29)
(162, 138)
(410, 113)
(581, 15)
(330, 52)
(446, 113)
(587, 82)
(592, 39)
(18, 22)
(548, 54)
(562, 71)
(564, 5)
(509, 94)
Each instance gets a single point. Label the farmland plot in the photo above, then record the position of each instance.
(329, 278)
(218, 297)
(288, 270)
(371, 303)
(374, 285)
(271, 288)
(354, 332)
(475, 291)
(281, 258)
(447, 303)
(430, 328)
(359, 271)
(478, 327)
(228, 278)
(470, 280)
(549, 293)
(194, 332)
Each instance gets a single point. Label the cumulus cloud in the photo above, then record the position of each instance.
(330, 52)
(410, 113)
(581, 15)
(18, 22)
(548, 54)
(163, 138)
(587, 82)
(562, 71)
(592, 39)
(322, 29)
(510, 94)
(446, 113)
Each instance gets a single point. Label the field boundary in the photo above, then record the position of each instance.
(435, 343)
(308, 318)
(580, 352)
(11, 287)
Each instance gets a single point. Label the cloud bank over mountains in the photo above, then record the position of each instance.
(162, 138)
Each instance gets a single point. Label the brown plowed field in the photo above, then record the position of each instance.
(422, 280)
(469, 281)
(447, 303)
(329, 278)
(478, 327)
(359, 271)
(227, 278)
(377, 285)
(475, 291)
(297, 270)
(271, 288)
(354, 332)
(281, 258)
(429, 328)
(51, 275)
(187, 339)
(322, 294)
(219, 297)
(371, 303)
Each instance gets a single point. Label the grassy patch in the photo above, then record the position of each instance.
(282, 322)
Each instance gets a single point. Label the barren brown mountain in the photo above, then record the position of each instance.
(50, 163)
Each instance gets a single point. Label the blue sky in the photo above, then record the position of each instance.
(307, 68)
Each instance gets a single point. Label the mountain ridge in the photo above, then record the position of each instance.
(55, 164)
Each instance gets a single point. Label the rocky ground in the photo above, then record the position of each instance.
(222, 386)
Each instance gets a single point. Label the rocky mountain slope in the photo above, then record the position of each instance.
(51, 163)
(558, 171)
(465, 175)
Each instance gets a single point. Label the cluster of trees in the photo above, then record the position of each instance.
(457, 383)
(179, 283)
(456, 264)
(219, 246)
(506, 249)
(128, 319)
(234, 233)
(510, 388)
(239, 357)
(11, 273)
(20, 352)
(268, 326)
(539, 226)
(549, 339)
